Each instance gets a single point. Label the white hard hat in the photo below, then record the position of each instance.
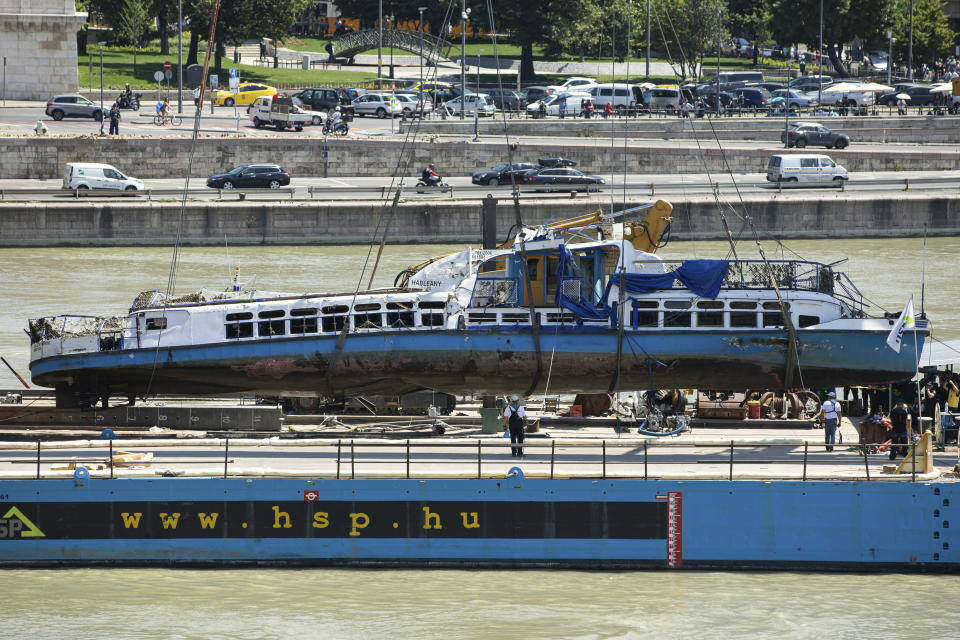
(515, 398)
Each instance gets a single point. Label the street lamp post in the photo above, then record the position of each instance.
(890, 56)
(422, 106)
(179, 56)
(380, 44)
(820, 61)
(390, 26)
(648, 40)
(464, 14)
(910, 45)
(101, 87)
(719, 19)
(476, 103)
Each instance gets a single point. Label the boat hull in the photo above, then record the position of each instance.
(490, 361)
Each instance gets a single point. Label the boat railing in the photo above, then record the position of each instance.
(624, 458)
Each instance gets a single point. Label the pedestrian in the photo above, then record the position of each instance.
(563, 107)
(542, 110)
(608, 110)
(685, 109)
(115, 118)
(831, 418)
(953, 394)
(196, 97)
(588, 108)
(901, 107)
(898, 431)
(515, 419)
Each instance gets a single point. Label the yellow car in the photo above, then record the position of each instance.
(246, 93)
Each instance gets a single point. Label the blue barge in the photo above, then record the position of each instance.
(511, 522)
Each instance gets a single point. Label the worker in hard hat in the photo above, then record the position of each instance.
(515, 419)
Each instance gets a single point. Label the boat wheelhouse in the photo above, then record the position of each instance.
(588, 309)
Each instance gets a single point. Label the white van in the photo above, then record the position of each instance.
(89, 175)
(805, 168)
(663, 99)
(616, 95)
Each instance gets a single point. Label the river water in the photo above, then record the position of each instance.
(96, 604)
(274, 603)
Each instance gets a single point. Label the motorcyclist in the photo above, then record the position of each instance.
(126, 96)
(430, 177)
(334, 119)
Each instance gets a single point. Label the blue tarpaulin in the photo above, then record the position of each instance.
(703, 277)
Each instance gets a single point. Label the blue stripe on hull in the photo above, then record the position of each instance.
(455, 360)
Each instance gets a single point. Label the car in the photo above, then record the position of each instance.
(555, 163)
(410, 105)
(440, 92)
(920, 96)
(806, 168)
(573, 107)
(474, 103)
(251, 176)
(771, 86)
(726, 99)
(532, 94)
(72, 105)
(729, 81)
(507, 99)
(90, 175)
(378, 104)
(246, 93)
(753, 97)
(503, 173)
(805, 80)
(803, 134)
(794, 99)
(561, 179)
(572, 84)
(327, 98)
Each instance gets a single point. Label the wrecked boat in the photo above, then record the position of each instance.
(582, 306)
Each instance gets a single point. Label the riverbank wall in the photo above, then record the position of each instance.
(153, 158)
(124, 223)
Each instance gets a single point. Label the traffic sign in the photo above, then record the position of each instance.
(234, 84)
(168, 74)
(166, 65)
(233, 73)
(158, 76)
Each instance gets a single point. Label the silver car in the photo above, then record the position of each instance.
(475, 103)
(73, 106)
(410, 104)
(381, 105)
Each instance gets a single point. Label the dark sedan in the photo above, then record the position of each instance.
(503, 173)
(562, 180)
(507, 99)
(753, 97)
(920, 96)
(251, 176)
(803, 134)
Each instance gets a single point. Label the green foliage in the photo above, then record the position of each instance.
(686, 30)
(932, 36)
(133, 22)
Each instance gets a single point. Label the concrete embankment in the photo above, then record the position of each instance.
(787, 215)
(151, 158)
(911, 129)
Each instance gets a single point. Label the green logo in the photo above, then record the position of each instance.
(21, 524)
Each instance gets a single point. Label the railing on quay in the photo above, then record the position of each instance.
(643, 459)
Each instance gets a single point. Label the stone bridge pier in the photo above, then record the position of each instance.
(38, 38)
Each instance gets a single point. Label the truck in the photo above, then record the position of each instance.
(282, 113)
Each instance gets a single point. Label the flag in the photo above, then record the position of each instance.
(905, 321)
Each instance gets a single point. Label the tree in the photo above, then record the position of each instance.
(533, 22)
(687, 30)
(275, 18)
(133, 23)
(931, 32)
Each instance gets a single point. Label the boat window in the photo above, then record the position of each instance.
(743, 319)
(303, 325)
(272, 313)
(772, 320)
(775, 306)
(367, 307)
(240, 330)
(516, 317)
(305, 311)
(403, 306)
(646, 304)
(239, 316)
(647, 318)
(337, 308)
(403, 319)
(271, 328)
(433, 305)
(808, 321)
(710, 319)
(743, 304)
(432, 319)
(710, 304)
(480, 318)
(554, 318)
(676, 319)
(333, 323)
(156, 324)
(367, 321)
(676, 304)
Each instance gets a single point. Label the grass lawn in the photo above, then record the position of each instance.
(118, 69)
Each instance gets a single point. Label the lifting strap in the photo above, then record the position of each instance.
(615, 380)
(528, 294)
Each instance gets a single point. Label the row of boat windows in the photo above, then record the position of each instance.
(335, 309)
(331, 324)
(735, 305)
(640, 319)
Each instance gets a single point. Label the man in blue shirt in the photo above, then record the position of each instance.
(831, 418)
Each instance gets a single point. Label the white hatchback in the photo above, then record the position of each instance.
(90, 175)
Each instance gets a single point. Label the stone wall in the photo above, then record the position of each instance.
(39, 40)
(148, 158)
(207, 223)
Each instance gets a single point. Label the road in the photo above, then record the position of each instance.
(873, 183)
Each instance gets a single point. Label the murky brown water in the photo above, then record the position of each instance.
(38, 282)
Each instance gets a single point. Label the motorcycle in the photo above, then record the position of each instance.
(130, 102)
(340, 129)
(423, 185)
